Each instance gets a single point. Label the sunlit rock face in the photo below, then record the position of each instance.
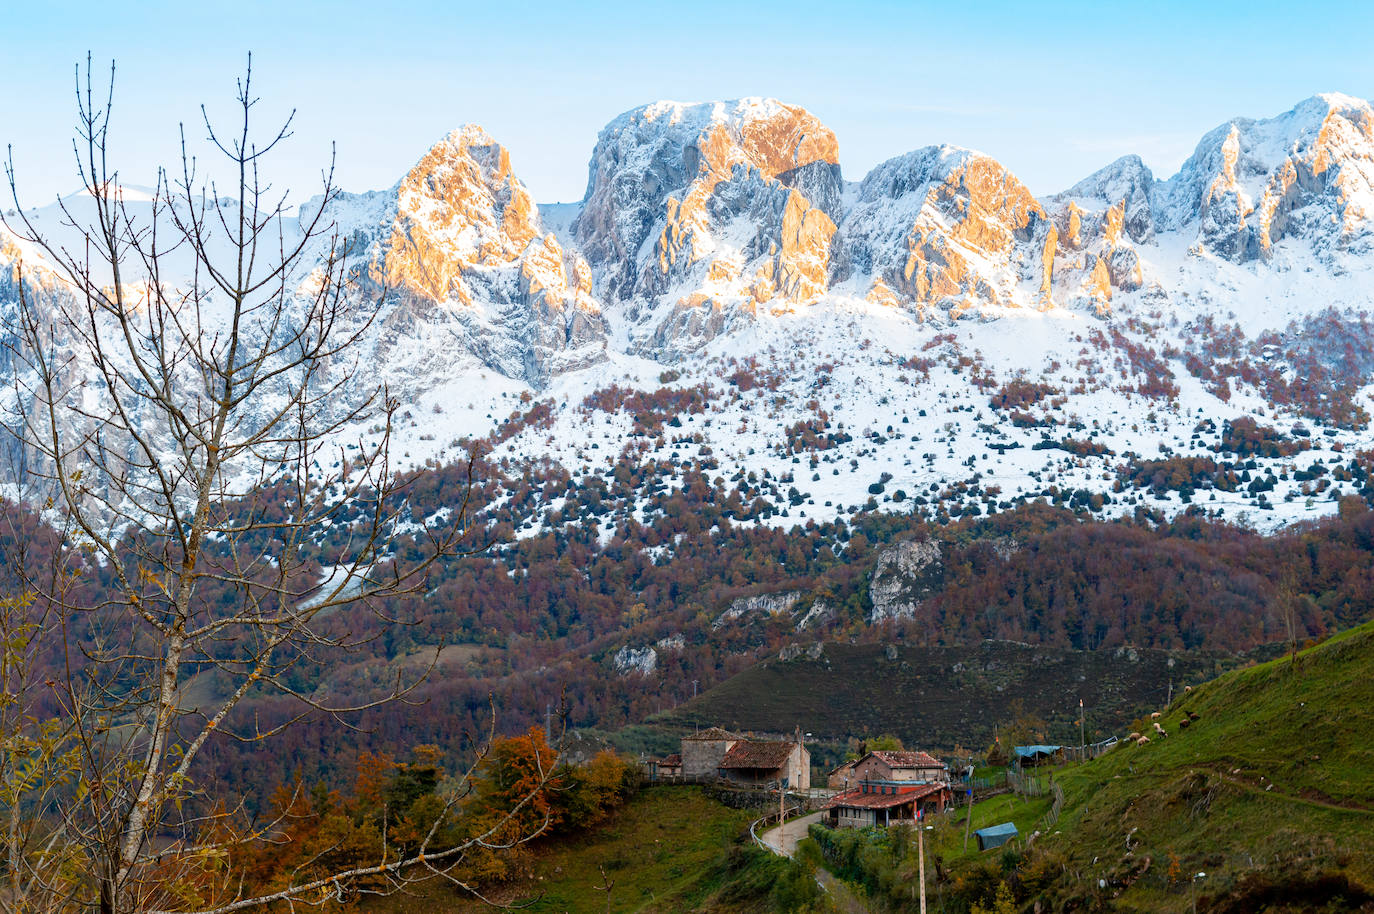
(1306, 174)
(945, 231)
(697, 216)
(1100, 221)
(458, 265)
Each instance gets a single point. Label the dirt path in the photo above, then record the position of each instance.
(1252, 787)
(783, 840)
(843, 896)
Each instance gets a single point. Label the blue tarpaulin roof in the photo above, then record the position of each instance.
(995, 835)
(1030, 751)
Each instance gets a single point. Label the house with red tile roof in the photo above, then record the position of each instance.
(717, 753)
(757, 761)
(889, 787)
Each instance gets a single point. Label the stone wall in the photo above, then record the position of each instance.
(702, 757)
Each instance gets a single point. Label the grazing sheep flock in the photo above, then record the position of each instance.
(1189, 718)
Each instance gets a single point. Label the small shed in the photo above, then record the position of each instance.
(668, 767)
(995, 835)
(1030, 756)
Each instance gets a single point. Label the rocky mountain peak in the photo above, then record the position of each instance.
(460, 206)
(696, 215)
(1251, 183)
(1127, 182)
(943, 229)
(457, 251)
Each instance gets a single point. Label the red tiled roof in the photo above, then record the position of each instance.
(849, 764)
(758, 754)
(908, 759)
(857, 799)
(672, 761)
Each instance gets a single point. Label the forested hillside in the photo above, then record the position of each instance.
(535, 621)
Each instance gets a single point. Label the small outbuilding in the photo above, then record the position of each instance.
(995, 835)
(702, 753)
(669, 767)
(839, 778)
(1031, 756)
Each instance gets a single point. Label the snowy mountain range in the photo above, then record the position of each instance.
(722, 237)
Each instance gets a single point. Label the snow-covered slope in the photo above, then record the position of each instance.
(718, 239)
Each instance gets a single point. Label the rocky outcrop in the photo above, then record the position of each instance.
(1126, 182)
(764, 604)
(697, 216)
(635, 661)
(820, 613)
(905, 574)
(1100, 222)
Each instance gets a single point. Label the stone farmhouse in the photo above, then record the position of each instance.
(887, 788)
(719, 754)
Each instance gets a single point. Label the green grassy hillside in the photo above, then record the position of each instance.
(939, 697)
(1269, 791)
(668, 849)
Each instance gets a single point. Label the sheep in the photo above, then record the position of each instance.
(1187, 689)
(1192, 716)
(1133, 735)
(1154, 715)
(1142, 741)
(1184, 723)
(1160, 730)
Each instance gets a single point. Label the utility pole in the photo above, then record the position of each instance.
(694, 688)
(921, 854)
(1171, 692)
(1082, 731)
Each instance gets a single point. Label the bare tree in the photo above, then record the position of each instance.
(185, 392)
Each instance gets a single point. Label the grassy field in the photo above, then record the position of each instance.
(1269, 791)
(947, 835)
(939, 697)
(668, 849)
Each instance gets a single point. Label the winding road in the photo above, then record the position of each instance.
(783, 840)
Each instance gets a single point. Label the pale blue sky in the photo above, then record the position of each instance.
(1052, 90)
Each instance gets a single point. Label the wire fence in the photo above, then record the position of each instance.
(1051, 818)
